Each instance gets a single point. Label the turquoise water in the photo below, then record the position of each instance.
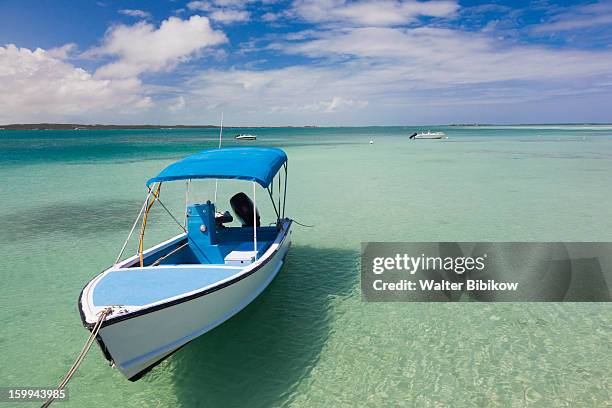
(69, 198)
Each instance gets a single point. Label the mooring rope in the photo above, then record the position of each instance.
(303, 225)
(133, 227)
(94, 332)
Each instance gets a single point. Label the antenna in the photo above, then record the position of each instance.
(220, 140)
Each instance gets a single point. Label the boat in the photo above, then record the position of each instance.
(428, 135)
(149, 305)
(245, 137)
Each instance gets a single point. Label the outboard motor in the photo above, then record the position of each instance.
(412, 136)
(243, 207)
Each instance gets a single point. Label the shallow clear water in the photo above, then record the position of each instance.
(69, 198)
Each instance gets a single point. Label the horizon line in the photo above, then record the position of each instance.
(82, 126)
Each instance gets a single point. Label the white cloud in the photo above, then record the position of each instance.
(372, 13)
(199, 5)
(38, 86)
(222, 11)
(436, 55)
(230, 16)
(297, 91)
(578, 17)
(373, 74)
(207, 5)
(362, 63)
(270, 17)
(135, 13)
(338, 103)
(145, 103)
(178, 104)
(144, 48)
(335, 105)
(232, 3)
(574, 24)
(62, 52)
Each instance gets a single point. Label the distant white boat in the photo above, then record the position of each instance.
(245, 137)
(428, 135)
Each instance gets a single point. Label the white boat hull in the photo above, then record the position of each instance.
(137, 341)
(429, 136)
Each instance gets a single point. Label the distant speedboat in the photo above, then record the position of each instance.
(154, 302)
(428, 135)
(245, 137)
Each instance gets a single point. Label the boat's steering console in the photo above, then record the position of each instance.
(201, 225)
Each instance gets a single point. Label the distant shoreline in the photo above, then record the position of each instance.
(77, 126)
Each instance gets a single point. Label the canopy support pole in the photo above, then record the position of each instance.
(273, 203)
(144, 223)
(254, 221)
(187, 200)
(220, 141)
(285, 191)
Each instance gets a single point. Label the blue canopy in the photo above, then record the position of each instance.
(258, 164)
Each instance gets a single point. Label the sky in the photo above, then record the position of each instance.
(305, 62)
